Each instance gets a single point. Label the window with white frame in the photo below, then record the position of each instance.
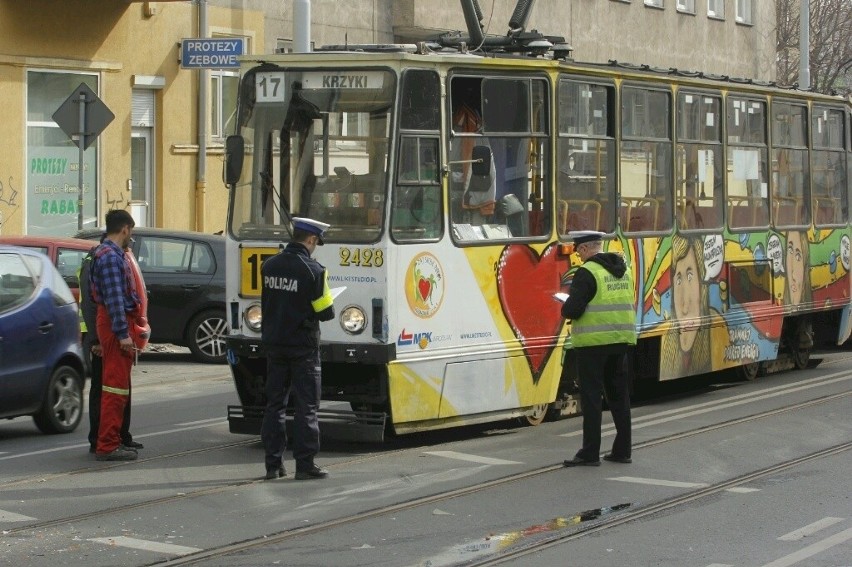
(654, 3)
(224, 84)
(716, 9)
(686, 6)
(223, 103)
(744, 12)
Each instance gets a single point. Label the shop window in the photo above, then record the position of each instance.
(53, 159)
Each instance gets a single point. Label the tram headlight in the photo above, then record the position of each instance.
(353, 320)
(253, 317)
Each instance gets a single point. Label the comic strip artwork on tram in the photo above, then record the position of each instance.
(709, 318)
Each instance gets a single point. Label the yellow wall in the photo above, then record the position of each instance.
(118, 41)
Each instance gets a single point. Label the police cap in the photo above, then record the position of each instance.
(312, 226)
(583, 236)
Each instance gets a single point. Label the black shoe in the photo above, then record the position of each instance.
(275, 472)
(92, 448)
(312, 473)
(133, 445)
(613, 459)
(578, 462)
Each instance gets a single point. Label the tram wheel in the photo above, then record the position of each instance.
(802, 354)
(537, 415)
(748, 371)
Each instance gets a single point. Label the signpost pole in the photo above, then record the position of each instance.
(81, 144)
(87, 123)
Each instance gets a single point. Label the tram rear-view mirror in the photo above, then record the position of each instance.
(234, 153)
(481, 157)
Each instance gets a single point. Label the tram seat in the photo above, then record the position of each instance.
(579, 214)
(744, 211)
(639, 214)
(787, 210)
(827, 210)
(693, 214)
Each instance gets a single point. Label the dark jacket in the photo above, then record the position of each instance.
(88, 307)
(292, 281)
(583, 286)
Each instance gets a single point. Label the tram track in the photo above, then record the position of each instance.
(154, 501)
(279, 537)
(652, 509)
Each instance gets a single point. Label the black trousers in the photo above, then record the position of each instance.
(300, 377)
(602, 371)
(95, 389)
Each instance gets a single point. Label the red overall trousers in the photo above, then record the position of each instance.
(116, 385)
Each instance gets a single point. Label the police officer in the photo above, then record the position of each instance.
(294, 299)
(602, 309)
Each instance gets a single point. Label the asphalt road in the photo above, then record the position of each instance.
(724, 474)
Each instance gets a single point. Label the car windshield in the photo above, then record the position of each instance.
(316, 146)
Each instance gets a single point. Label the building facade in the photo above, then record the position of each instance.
(161, 155)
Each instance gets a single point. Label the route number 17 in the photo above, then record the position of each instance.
(269, 87)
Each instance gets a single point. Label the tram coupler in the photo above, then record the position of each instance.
(337, 425)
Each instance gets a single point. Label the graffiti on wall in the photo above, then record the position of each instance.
(8, 202)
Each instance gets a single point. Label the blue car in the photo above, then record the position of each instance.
(41, 364)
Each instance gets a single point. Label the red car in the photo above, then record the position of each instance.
(65, 253)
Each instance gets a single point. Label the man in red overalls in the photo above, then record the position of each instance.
(113, 288)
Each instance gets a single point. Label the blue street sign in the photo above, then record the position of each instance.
(216, 53)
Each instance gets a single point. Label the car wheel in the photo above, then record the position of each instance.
(206, 336)
(62, 408)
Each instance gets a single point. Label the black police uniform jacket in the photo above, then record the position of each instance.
(294, 299)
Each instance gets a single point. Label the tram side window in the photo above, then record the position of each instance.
(790, 175)
(646, 160)
(498, 158)
(747, 177)
(698, 169)
(828, 159)
(585, 181)
(416, 203)
(416, 198)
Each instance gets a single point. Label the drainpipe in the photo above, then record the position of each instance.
(302, 26)
(201, 180)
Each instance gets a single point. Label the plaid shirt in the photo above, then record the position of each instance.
(112, 287)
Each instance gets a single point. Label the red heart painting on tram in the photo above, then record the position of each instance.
(526, 283)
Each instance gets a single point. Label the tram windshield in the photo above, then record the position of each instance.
(316, 145)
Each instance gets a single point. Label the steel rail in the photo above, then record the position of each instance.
(275, 538)
(655, 508)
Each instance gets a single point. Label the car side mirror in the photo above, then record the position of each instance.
(235, 152)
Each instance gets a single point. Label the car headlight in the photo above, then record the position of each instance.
(253, 317)
(353, 320)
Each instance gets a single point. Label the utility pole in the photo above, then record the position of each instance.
(201, 175)
(804, 46)
(302, 26)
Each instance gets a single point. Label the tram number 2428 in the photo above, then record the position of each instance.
(253, 258)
